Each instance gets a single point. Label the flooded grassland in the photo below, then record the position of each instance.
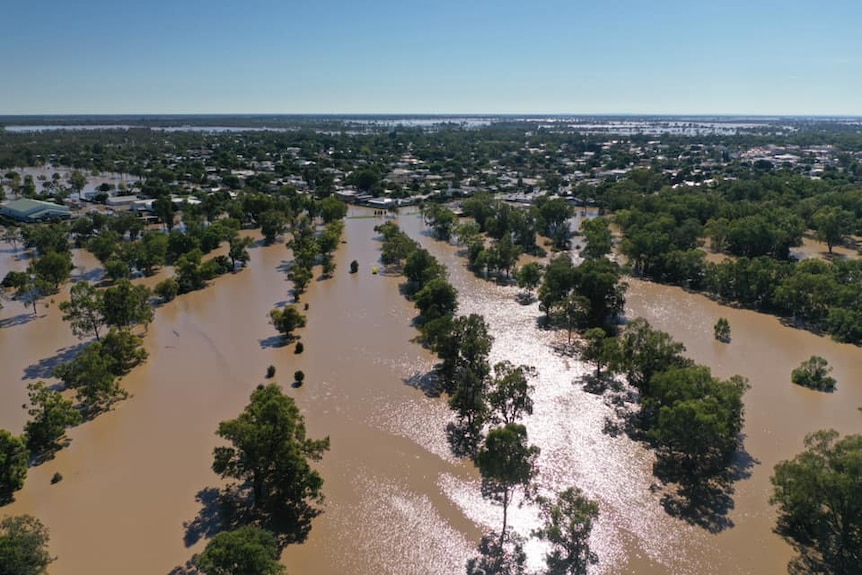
(397, 500)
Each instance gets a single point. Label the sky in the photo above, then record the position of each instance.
(752, 57)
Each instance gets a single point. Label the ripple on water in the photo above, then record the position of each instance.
(402, 531)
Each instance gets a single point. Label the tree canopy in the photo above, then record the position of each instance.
(23, 546)
(270, 456)
(243, 551)
(820, 503)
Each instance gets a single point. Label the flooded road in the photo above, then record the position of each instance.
(397, 501)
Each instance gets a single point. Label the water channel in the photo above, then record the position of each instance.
(397, 501)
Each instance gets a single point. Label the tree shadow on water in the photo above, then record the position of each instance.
(209, 520)
(428, 383)
(44, 368)
(16, 320)
(463, 439)
(703, 501)
(274, 342)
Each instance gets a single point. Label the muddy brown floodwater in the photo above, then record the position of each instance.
(397, 501)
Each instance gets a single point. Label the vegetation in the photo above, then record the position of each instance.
(814, 373)
(23, 546)
(721, 330)
(50, 415)
(506, 461)
(13, 465)
(243, 551)
(287, 320)
(270, 458)
(820, 504)
(567, 522)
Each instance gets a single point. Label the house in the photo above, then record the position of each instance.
(27, 210)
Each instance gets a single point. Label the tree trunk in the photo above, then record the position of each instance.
(505, 515)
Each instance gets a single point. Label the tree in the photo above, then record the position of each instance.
(557, 282)
(567, 523)
(598, 236)
(23, 546)
(167, 289)
(820, 503)
(238, 251)
(77, 181)
(126, 305)
(721, 330)
(814, 373)
(50, 415)
(53, 268)
(300, 276)
(354, 266)
(287, 320)
(464, 350)
(29, 288)
(12, 235)
(696, 420)
(506, 461)
(499, 554)
(188, 272)
(597, 348)
(832, 225)
(509, 393)
(437, 299)
(529, 276)
(645, 351)
(271, 455)
(13, 465)
(272, 224)
(332, 209)
(85, 310)
(92, 375)
(572, 310)
(244, 551)
(164, 209)
(299, 376)
(117, 268)
(599, 281)
(124, 350)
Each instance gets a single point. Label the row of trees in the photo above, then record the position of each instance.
(495, 398)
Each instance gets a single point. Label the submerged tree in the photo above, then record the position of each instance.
(271, 457)
(13, 465)
(23, 546)
(506, 462)
(509, 392)
(85, 310)
(50, 415)
(287, 320)
(721, 330)
(820, 503)
(244, 551)
(567, 522)
(814, 373)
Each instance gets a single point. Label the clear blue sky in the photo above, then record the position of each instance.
(431, 56)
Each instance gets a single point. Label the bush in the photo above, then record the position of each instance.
(299, 376)
(814, 373)
(167, 289)
(354, 266)
(270, 372)
(721, 330)
(56, 478)
(299, 347)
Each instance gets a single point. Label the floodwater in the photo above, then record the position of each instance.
(397, 500)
